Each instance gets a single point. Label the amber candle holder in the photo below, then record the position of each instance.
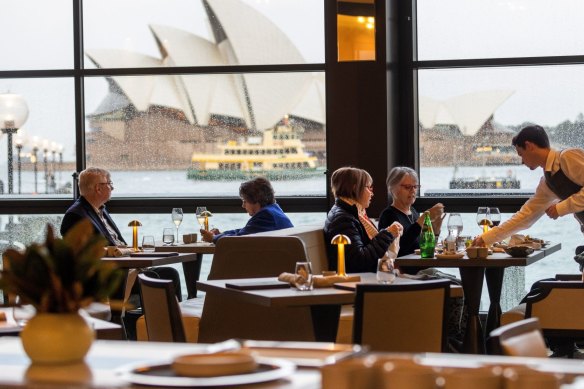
(341, 240)
(134, 224)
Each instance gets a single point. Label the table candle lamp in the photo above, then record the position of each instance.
(207, 215)
(135, 224)
(341, 240)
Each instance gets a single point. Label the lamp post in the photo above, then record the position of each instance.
(34, 161)
(46, 164)
(13, 114)
(60, 161)
(19, 143)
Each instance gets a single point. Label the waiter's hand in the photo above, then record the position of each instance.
(552, 212)
(478, 242)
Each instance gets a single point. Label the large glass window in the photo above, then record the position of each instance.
(203, 33)
(36, 34)
(458, 29)
(43, 149)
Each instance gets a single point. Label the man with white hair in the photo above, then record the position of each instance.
(95, 187)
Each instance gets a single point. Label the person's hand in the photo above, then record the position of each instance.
(207, 236)
(478, 242)
(552, 212)
(396, 229)
(436, 212)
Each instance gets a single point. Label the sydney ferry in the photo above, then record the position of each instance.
(279, 155)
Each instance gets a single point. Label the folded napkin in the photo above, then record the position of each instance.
(319, 281)
(114, 251)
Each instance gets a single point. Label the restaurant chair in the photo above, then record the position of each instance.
(557, 305)
(164, 321)
(249, 257)
(402, 317)
(520, 339)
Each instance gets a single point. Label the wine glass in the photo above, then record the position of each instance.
(167, 236)
(22, 313)
(200, 217)
(484, 218)
(385, 271)
(495, 216)
(177, 216)
(455, 224)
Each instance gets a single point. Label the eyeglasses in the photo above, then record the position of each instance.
(111, 184)
(410, 187)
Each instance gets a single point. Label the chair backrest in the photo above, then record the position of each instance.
(313, 238)
(559, 308)
(404, 317)
(255, 256)
(522, 338)
(161, 310)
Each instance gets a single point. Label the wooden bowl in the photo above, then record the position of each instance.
(519, 251)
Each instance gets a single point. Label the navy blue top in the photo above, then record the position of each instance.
(269, 218)
(82, 209)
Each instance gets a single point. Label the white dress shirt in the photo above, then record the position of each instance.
(572, 163)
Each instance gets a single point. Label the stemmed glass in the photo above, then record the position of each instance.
(455, 224)
(484, 218)
(495, 216)
(200, 217)
(177, 216)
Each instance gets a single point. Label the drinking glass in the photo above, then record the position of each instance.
(167, 236)
(455, 223)
(385, 271)
(148, 244)
(303, 279)
(177, 216)
(484, 218)
(22, 313)
(495, 216)
(200, 218)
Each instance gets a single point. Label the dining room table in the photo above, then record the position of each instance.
(191, 268)
(472, 273)
(281, 365)
(325, 303)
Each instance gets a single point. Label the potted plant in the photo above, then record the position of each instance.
(58, 278)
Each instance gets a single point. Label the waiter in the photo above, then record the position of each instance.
(559, 191)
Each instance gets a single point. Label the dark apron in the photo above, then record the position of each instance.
(563, 187)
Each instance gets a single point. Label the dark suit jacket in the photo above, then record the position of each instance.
(269, 218)
(81, 209)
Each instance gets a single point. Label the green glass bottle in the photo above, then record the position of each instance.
(427, 238)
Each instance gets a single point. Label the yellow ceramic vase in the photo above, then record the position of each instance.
(54, 338)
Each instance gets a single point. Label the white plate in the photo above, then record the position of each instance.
(450, 256)
(161, 374)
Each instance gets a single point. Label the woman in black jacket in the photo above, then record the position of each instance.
(353, 191)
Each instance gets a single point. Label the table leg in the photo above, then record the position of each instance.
(192, 271)
(472, 284)
(494, 278)
(118, 297)
(325, 322)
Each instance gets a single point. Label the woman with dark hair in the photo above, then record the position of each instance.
(258, 200)
(353, 191)
(402, 186)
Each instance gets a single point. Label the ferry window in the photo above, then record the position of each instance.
(147, 38)
(500, 29)
(467, 118)
(43, 147)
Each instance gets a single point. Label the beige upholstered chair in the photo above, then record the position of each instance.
(520, 339)
(254, 256)
(558, 307)
(162, 313)
(402, 317)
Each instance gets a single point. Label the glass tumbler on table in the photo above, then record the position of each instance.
(168, 236)
(148, 244)
(385, 271)
(303, 280)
